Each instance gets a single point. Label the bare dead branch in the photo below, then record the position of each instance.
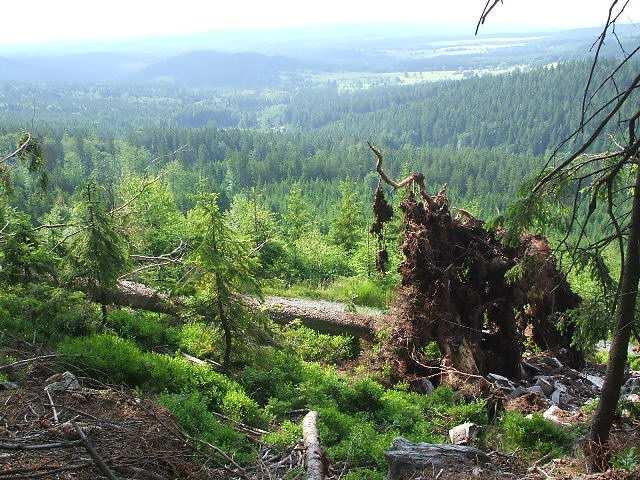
(93, 453)
(488, 8)
(18, 150)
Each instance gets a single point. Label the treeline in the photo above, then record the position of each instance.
(234, 161)
(527, 111)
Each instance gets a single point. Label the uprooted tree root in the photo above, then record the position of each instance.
(478, 298)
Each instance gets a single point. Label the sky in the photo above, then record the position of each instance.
(46, 21)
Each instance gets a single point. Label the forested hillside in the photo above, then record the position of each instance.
(145, 227)
(481, 136)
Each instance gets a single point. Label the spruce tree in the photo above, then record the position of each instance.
(346, 229)
(223, 270)
(98, 252)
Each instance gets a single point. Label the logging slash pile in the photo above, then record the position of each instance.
(478, 298)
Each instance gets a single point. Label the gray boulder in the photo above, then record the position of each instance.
(546, 384)
(501, 382)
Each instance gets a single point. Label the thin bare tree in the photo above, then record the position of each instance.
(608, 182)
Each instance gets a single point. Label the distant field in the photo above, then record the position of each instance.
(347, 81)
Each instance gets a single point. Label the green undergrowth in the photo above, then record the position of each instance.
(313, 346)
(602, 357)
(112, 358)
(194, 415)
(45, 314)
(627, 459)
(535, 437)
(358, 416)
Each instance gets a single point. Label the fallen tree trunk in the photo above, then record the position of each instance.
(408, 460)
(281, 310)
(318, 315)
(314, 453)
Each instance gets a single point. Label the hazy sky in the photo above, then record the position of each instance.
(47, 20)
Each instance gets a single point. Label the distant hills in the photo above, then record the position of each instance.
(84, 67)
(242, 61)
(221, 69)
(199, 68)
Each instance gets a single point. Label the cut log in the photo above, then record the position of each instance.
(314, 454)
(407, 459)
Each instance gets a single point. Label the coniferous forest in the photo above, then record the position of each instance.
(279, 269)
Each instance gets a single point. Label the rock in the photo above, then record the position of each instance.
(631, 386)
(560, 390)
(537, 389)
(556, 363)
(501, 382)
(596, 381)
(632, 398)
(518, 392)
(9, 386)
(463, 434)
(546, 385)
(62, 382)
(532, 369)
(405, 459)
(560, 386)
(561, 417)
(422, 385)
(631, 404)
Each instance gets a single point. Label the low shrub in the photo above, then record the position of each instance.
(194, 417)
(200, 339)
(627, 459)
(146, 328)
(364, 395)
(362, 290)
(45, 314)
(119, 360)
(634, 362)
(286, 436)
(238, 406)
(400, 410)
(312, 346)
(535, 435)
(432, 351)
(364, 445)
(364, 474)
